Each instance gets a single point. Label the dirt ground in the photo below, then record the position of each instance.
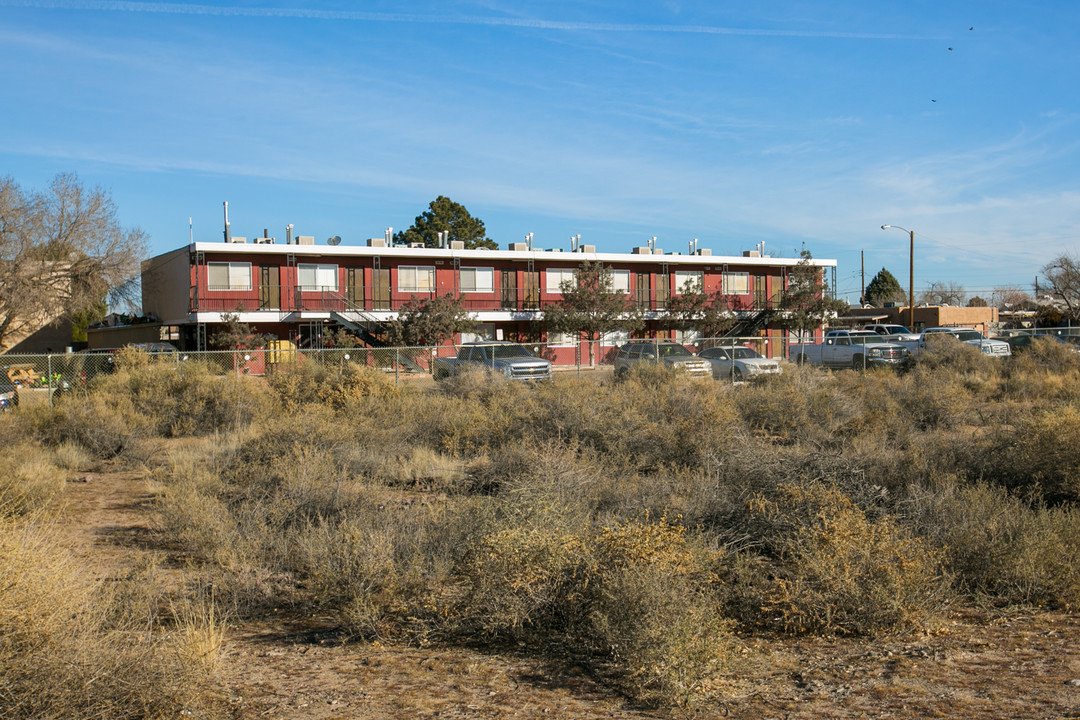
(979, 666)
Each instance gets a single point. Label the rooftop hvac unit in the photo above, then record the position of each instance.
(641, 251)
(587, 248)
(376, 242)
(457, 244)
(237, 239)
(264, 241)
(305, 239)
(416, 244)
(705, 251)
(519, 247)
(751, 253)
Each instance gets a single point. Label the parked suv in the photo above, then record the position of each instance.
(670, 354)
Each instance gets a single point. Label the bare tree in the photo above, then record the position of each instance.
(61, 251)
(944, 293)
(1012, 297)
(1063, 277)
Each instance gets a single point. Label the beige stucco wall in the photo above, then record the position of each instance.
(977, 318)
(166, 286)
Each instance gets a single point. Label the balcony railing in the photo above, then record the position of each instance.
(356, 299)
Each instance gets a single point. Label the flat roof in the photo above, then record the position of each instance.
(485, 254)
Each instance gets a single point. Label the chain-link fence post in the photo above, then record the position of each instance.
(397, 364)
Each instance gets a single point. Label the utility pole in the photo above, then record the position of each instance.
(862, 278)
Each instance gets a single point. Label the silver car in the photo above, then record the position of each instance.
(669, 354)
(738, 362)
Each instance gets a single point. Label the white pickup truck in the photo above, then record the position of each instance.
(994, 348)
(857, 349)
(892, 333)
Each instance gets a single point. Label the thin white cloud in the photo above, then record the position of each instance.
(533, 24)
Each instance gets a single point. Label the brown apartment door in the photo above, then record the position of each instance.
(759, 292)
(380, 289)
(269, 287)
(642, 290)
(663, 290)
(354, 285)
(508, 280)
(532, 289)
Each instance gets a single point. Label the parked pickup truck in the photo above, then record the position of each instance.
(512, 360)
(892, 333)
(851, 349)
(994, 348)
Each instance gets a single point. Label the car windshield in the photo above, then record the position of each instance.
(744, 354)
(672, 350)
(868, 338)
(967, 335)
(895, 329)
(507, 352)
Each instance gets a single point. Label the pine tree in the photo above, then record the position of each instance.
(884, 288)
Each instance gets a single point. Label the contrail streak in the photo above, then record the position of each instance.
(308, 14)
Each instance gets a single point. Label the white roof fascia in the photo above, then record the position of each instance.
(480, 255)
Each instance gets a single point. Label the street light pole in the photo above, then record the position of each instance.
(911, 275)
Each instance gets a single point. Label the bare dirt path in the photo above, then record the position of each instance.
(1023, 665)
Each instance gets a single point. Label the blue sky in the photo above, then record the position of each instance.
(790, 122)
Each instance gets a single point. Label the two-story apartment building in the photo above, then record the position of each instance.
(296, 290)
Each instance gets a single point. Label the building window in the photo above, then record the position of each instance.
(477, 280)
(557, 276)
(615, 338)
(689, 280)
(480, 333)
(689, 336)
(620, 281)
(562, 338)
(416, 279)
(736, 283)
(318, 278)
(228, 276)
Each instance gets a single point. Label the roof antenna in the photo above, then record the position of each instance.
(228, 235)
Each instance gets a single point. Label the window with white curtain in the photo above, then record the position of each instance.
(620, 281)
(695, 277)
(736, 283)
(556, 277)
(416, 278)
(228, 276)
(562, 338)
(316, 277)
(477, 279)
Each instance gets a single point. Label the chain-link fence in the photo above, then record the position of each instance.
(36, 379)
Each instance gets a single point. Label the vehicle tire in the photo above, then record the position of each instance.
(857, 362)
(736, 374)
